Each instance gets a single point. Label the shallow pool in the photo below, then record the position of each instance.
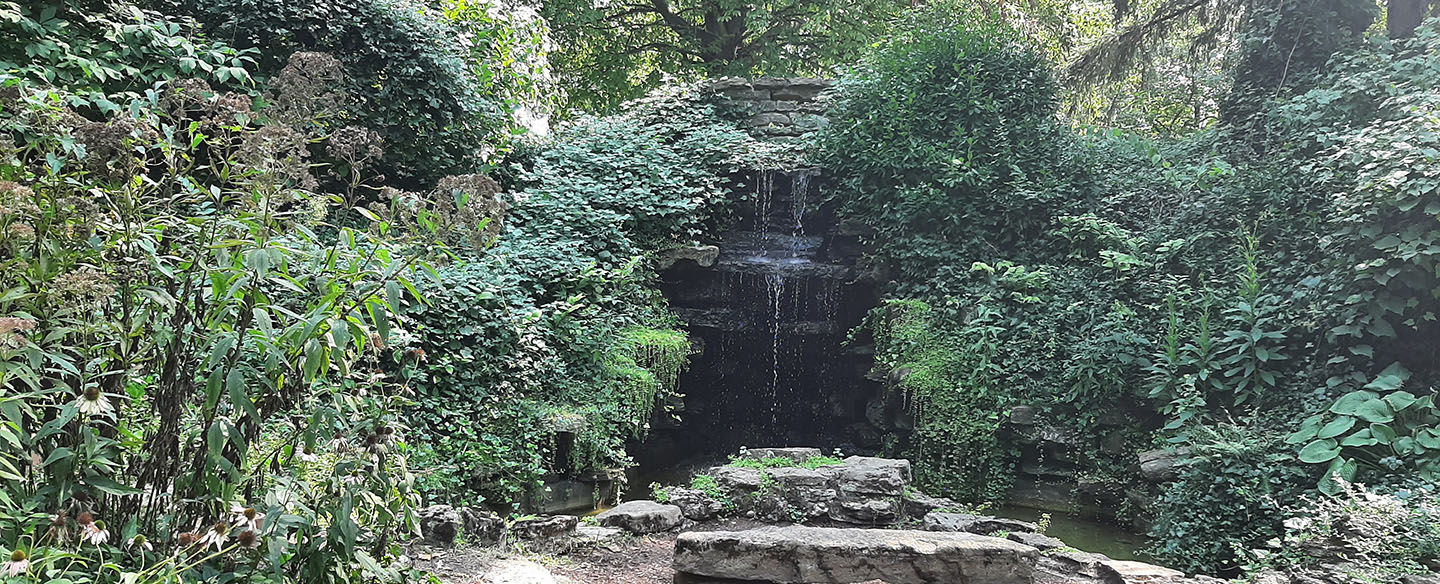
(1084, 534)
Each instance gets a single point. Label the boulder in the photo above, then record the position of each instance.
(864, 510)
(703, 256)
(1161, 465)
(1038, 541)
(695, 504)
(803, 490)
(917, 504)
(439, 524)
(545, 527)
(516, 571)
(1126, 572)
(1023, 415)
(819, 555)
(870, 476)
(641, 517)
(979, 524)
(481, 525)
(793, 454)
(597, 534)
(1420, 579)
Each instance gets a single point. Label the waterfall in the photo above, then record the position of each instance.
(773, 313)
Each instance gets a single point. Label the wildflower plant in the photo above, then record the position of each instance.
(178, 281)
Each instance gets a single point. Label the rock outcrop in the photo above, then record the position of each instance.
(978, 524)
(821, 555)
(818, 555)
(439, 524)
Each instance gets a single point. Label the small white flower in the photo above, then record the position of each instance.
(247, 517)
(95, 533)
(139, 542)
(215, 536)
(93, 402)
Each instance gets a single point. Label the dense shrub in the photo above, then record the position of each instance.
(1234, 494)
(442, 107)
(179, 343)
(551, 340)
(1277, 277)
(101, 50)
(945, 143)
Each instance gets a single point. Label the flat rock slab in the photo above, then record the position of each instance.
(821, 555)
(981, 524)
(517, 572)
(641, 517)
(793, 454)
(870, 476)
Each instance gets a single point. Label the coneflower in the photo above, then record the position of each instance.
(95, 533)
(247, 517)
(139, 541)
(93, 402)
(215, 536)
(19, 563)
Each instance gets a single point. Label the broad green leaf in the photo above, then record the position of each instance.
(1319, 451)
(1337, 427)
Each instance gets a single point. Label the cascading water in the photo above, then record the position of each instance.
(772, 314)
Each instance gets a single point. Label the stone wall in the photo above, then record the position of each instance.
(778, 107)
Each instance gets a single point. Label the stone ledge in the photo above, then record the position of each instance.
(822, 555)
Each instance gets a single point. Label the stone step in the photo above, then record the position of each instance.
(822, 555)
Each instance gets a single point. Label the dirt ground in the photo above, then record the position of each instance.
(638, 560)
(624, 560)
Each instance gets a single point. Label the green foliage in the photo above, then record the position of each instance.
(1232, 496)
(99, 52)
(607, 53)
(176, 288)
(441, 101)
(1378, 151)
(549, 350)
(1106, 279)
(1379, 535)
(973, 156)
(810, 463)
(950, 380)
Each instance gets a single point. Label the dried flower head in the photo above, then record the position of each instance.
(307, 89)
(13, 329)
(276, 159)
(357, 147)
(248, 539)
(110, 147)
(85, 283)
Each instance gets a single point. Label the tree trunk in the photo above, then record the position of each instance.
(1403, 16)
